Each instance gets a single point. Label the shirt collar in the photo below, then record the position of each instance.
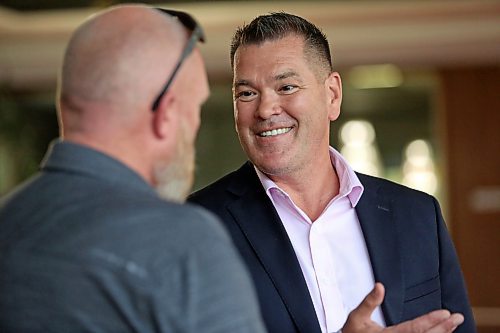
(350, 185)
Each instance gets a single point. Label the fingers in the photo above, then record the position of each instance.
(371, 301)
(359, 320)
(448, 325)
(439, 321)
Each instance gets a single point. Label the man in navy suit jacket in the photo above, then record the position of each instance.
(315, 235)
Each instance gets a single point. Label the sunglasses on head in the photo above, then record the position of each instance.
(196, 35)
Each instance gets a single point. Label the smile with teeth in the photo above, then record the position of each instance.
(275, 132)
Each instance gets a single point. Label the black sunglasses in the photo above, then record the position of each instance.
(196, 35)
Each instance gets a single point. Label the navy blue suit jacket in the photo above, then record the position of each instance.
(407, 240)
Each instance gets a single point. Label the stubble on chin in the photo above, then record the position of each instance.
(272, 161)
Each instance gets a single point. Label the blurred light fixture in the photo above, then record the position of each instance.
(359, 147)
(418, 167)
(375, 76)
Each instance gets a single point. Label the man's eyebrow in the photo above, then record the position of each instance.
(278, 77)
(286, 75)
(239, 83)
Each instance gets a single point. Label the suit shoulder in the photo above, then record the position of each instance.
(232, 182)
(396, 192)
(218, 185)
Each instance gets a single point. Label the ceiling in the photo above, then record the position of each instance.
(413, 33)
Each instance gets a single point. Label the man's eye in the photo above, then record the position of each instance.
(288, 89)
(246, 95)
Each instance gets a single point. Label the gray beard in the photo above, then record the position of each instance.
(175, 178)
(174, 190)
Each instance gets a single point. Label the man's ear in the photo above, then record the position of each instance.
(333, 85)
(165, 117)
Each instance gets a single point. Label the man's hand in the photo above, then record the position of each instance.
(359, 321)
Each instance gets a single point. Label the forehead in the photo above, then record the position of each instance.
(270, 56)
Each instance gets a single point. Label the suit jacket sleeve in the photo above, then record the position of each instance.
(453, 291)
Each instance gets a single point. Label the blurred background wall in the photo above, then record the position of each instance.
(421, 102)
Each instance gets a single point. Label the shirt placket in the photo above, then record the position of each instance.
(331, 298)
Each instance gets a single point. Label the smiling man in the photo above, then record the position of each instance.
(315, 234)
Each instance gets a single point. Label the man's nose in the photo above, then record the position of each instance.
(269, 105)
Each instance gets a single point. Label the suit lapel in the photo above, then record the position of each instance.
(380, 232)
(259, 221)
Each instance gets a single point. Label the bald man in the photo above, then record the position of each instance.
(87, 244)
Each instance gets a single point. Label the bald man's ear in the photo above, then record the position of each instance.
(165, 118)
(334, 95)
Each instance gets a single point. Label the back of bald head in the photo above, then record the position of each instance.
(115, 65)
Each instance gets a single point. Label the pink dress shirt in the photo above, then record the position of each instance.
(331, 251)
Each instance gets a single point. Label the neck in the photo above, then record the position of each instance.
(313, 188)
